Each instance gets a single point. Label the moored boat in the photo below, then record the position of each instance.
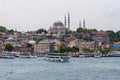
(114, 54)
(26, 56)
(97, 56)
(57, 57)
(7, 55)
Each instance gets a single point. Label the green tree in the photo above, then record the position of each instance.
(11, 30)
(118, 35)
(112, 35)
(9, 47)
(105, 51)
(41, 30)
(40, 39)
(87, 38)
(62, 49)
(80, 30)
(3, 29)
(87, 50)
(74, 49)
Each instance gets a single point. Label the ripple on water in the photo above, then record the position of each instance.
(76, 69)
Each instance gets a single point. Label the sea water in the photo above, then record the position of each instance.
(76, 69)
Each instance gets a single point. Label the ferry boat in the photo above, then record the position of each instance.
(7, 55)
(57, 57)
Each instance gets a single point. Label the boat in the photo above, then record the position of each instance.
(81, 55)
(26, 56)
(75, 55)
(57, 57)
(7, 55)
(114, 54)
(97, 56)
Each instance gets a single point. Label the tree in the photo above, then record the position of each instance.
(87, 50)
(3, 29)
(9, 47)
(74, 49)
(40, 39)
(11, 31)
(62, 49)
(41, 30)
(79, 30)
(118, 35)
(112, 35)
(87, 38)
(105, 51)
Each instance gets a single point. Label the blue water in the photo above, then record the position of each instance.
(76, 69)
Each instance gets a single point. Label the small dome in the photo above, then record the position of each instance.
(31, 42)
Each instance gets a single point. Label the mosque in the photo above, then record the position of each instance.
(60, 27)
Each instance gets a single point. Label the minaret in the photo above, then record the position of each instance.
(68, 22)
(65, 21)
(84, 23)
(15, 34)
(79, 24)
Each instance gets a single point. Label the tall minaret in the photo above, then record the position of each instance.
(15, 34)
(65, 20)
(68, 22)
(84, 23)
(79, 24)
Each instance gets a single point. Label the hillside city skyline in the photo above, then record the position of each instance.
(23, 15)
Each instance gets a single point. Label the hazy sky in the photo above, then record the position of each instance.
(26, 15)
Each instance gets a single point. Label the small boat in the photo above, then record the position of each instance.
(7, 55)
(97, 56)
(75, 55)
(81, 55)
(57, 57)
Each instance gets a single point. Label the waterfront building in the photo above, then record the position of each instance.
(57, 45)
(103, 37)
(44, 47)
(86, 44)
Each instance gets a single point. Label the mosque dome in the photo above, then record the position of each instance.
(58, 24)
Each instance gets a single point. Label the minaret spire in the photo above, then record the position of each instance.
(65, 20)
(79, 24)
(84, 23)
(68, 21)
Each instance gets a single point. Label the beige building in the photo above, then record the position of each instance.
(85, 44)
(44, 47)
(57, 28)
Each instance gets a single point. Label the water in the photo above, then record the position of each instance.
(76, 69)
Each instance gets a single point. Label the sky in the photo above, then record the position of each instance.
(27, 15)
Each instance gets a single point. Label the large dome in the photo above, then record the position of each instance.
(58, 23)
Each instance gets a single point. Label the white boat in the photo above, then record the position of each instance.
(26, 56)
(57, 57)
(114, 54)
(81, 56)
(7, 55)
